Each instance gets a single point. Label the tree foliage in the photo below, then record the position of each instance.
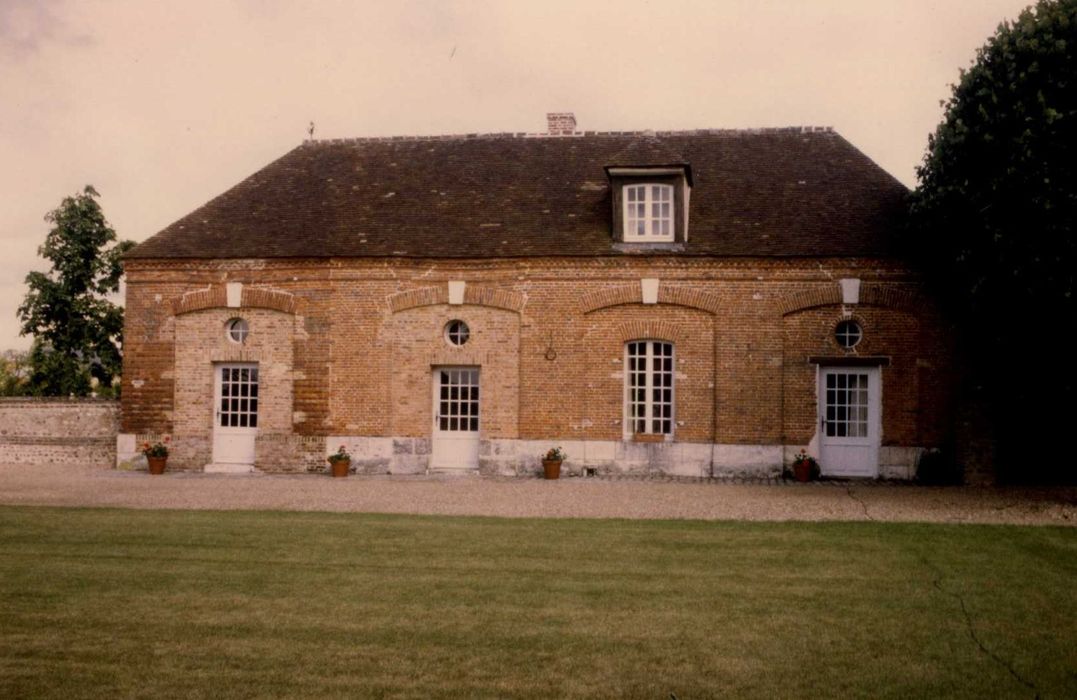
(76, 329)
(992, 221)
(14, 373)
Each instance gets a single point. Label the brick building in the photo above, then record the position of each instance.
(693, 303)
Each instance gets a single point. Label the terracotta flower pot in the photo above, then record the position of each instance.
(157, 464)
(802, 471)
(341, 467)
(551, 468)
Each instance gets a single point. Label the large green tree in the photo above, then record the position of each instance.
(992, 223)
(77, 330)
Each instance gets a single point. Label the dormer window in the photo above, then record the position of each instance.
(649, 193)
(648, 213)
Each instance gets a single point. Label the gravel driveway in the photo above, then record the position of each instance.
(565, 498)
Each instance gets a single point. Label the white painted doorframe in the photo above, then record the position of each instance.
(850, 420)
(235, 412)
(454, 435)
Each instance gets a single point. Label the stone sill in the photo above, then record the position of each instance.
(648, 437)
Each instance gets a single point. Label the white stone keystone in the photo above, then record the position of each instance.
(649, 287)
(456, 291)
(850, 290)
(234, 290)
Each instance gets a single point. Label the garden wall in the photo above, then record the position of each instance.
(78, 432)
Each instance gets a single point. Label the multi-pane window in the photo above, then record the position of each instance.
(648, 212)
(846, 404)
(649, 385)
(239, 397)
(458, 400)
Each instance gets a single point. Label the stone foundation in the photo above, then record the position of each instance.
(506, 457)
(899, 462)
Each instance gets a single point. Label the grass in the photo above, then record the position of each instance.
(239, 604)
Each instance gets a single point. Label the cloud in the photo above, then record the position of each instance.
(28, 26)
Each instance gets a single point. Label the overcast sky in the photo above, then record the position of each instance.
(162, 106)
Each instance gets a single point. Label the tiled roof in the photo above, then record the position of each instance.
(768, 192)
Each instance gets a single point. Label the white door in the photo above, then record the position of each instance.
(235, 414)
(455, 435)
(849, 409)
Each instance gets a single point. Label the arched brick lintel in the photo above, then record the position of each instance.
(611, 296)
(216, 296)
(650, 330)
(414, 298)
(871, 294)
(476, 295)
(506, 299)
(633, 294)
(810, 298)
(688, 297)
(890, 296)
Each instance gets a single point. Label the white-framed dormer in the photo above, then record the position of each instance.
(650, 204)
(648, 213)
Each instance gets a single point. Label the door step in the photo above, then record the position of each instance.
(453, 473)
(225, 468)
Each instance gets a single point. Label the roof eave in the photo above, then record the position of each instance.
(651, 169)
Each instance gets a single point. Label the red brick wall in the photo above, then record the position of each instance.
(417, 341)
(366, 333)
(200, 342)
(601, 358)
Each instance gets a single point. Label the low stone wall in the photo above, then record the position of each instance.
(70, 431)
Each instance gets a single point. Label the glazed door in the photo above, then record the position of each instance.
(849, 410)
(235, 414)
(455, 434)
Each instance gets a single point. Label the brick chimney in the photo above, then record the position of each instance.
(560, 123)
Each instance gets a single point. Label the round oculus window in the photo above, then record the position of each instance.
(238, 330)
(848, 334)
(457, 332)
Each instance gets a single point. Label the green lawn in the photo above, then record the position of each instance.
(209, 604)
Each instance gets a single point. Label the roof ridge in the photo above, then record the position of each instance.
(579, 134)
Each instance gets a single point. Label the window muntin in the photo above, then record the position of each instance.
(237, 330)
(846, 404)
(457, 333)
(458, 400)
(239, 397)
(848, 334)
(649, 387)
(648, 212)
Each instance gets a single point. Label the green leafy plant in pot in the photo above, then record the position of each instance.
(156, 455)
(340, 462)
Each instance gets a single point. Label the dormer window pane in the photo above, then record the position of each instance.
(648, 212)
